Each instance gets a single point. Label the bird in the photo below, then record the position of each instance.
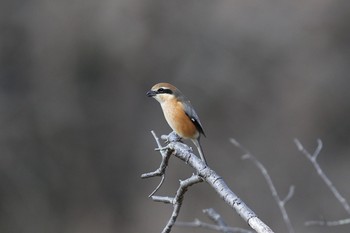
(179, 113)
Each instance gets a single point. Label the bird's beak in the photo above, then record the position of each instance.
(151, 93)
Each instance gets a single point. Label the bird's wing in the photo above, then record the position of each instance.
(189, 110)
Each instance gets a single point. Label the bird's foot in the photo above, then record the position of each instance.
(172, 137)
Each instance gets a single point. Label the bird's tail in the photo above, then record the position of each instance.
(199, 147)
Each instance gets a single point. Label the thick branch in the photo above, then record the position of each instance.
(183, 152)
(203, 172)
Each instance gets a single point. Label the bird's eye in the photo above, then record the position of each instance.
(164, 91)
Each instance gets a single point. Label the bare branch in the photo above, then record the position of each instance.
(216, 218)
(328, 223)
(318, 149)
(166, 200)
(203, 172)
(219, 225)
(319, 170)
(158, 187)
(218, 184)
(263, 170)
(289, 195)
(177, 200)
(197, 223)
(313, 159)
(165, 153)
(162, 167)
(156, 138)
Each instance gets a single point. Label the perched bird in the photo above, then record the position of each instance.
(179, 113)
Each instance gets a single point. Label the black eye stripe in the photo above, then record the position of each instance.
(164, 91)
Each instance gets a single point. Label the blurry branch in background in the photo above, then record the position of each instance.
(327, 223)
(219, 225)
(313, 159)
(203, 173)
(281, 203)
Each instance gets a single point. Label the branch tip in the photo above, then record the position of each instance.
(298, 144)
(318, 149)
(234, 142)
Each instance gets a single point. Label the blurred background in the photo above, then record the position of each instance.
(75, 121)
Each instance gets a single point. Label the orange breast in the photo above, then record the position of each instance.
(178, 120)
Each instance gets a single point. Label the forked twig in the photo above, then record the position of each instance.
(313, 159)
(281, 203)
(177, 200)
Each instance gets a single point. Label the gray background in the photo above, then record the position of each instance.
(75, 122)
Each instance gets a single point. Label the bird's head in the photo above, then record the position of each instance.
(163, 92)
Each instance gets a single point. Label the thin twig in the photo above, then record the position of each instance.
(313, 159)
(197, 223)
(158, 187)
(177, 200)
(263, 170)
(216, 218)
(328, 223)
(167, 200)
(165, 153)
(289, 195)
(162, 167)
(219, 225)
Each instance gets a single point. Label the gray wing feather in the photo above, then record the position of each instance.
(189, 110)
